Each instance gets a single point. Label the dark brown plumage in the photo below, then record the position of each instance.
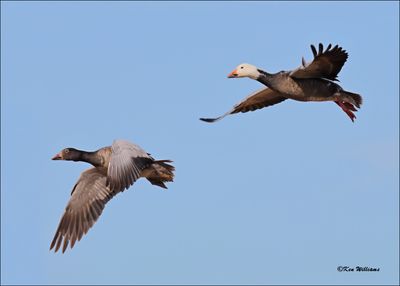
(257, 100)
(116, 168)
(326, 64)
(309, 82)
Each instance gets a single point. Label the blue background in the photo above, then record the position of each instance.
(282, 195)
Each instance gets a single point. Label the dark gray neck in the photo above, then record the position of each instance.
(89, 157)
(265, 78)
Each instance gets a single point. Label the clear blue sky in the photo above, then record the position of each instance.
(278, 196)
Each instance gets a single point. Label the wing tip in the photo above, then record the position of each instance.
(209, 120)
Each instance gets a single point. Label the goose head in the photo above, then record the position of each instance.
(245, 70)
(68, 154)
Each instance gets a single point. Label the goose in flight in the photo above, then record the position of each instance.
(312, 81)
(116, 168)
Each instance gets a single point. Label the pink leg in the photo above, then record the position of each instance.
(347, 108)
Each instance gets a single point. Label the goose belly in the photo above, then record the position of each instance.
(310, 89)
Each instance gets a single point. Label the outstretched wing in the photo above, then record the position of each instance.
(88, 198)
(126, 164)
(326, 64)
(259, 99)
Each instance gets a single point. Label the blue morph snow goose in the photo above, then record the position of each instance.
(312, 81)
(116, 168)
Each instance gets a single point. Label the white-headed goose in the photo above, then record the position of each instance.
(116, 168)
(310, 82)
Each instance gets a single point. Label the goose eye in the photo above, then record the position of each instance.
(241, 67)
(66, 151)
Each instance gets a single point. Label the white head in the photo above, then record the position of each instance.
(245, 70)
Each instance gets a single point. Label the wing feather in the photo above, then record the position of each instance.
(257, 100)
(85, 206)
(326, 64)
(126, 164)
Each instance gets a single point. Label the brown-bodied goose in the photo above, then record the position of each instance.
(116, 168)
(312, 81)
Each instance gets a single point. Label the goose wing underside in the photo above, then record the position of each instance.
(257, 100)
(88, 199)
